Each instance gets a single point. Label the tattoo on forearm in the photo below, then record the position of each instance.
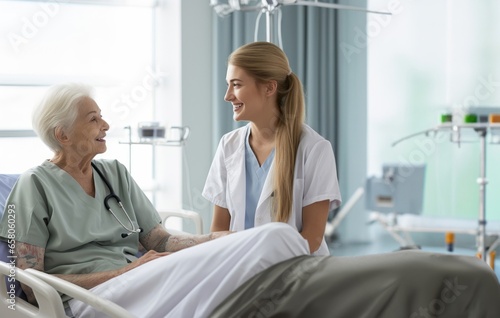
(30, 256)
(179, 242)
(162, 244)
(160, 240)
(156, 239)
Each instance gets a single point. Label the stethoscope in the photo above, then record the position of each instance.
(112, 195)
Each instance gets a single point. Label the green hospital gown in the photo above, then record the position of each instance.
(78, 234)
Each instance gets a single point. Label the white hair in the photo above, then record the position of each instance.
(58, 108)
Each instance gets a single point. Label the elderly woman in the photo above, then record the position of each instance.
(69, 223)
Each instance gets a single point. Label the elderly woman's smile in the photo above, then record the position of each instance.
(86, 135)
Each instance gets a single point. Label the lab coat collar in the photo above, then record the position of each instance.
(236, 180)
(237, 189)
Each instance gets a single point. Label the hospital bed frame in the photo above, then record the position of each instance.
(47, 287)
(481, 128)
(400, 228)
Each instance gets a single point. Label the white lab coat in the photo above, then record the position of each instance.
(315, 179)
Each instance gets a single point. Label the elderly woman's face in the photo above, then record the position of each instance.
(88, 131)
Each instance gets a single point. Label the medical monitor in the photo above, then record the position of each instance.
(400, 189)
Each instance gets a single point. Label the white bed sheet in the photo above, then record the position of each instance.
(192, 282)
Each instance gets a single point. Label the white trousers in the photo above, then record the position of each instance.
(193, 281)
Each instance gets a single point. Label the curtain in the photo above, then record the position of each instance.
(309, 37)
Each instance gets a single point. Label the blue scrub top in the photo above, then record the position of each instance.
(255, 177)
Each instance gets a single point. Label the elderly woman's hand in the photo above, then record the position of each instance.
(215, 235)
(149, 256)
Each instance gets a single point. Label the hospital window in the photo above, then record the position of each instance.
(110, 45)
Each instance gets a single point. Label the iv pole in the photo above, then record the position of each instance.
(481, 129)
(270, 7)
(481, 235)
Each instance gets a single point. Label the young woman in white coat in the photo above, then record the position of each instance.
(276, 168)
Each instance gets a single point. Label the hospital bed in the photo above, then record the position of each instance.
(399, 284)
(395, 202)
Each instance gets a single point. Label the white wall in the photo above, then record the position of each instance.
(419, 67)
(196, 22)
(431, 56)
(168, 102)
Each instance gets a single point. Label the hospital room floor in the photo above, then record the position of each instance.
(384, 243)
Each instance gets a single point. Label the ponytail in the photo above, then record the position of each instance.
(288, 134)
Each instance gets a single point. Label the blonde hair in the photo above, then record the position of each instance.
(59, 108)
(266, 62)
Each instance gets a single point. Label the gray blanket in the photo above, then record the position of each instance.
(406, 284)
